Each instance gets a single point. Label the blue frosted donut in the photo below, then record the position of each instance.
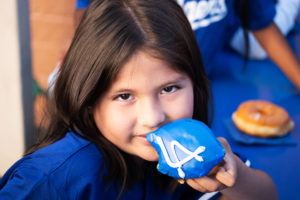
(187, 148)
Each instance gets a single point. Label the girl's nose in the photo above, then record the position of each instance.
(151, 113)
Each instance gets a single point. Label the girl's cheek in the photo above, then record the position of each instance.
(123, 117)
(182, 106)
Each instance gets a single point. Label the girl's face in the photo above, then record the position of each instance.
(147, 94)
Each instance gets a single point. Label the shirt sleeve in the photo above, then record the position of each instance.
(27, 183)
(260, 13)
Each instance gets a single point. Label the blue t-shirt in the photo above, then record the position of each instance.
(214, 22)
(81, 4)
(71, 169)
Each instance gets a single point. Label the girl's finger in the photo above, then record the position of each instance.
(228, 172)
(230, 165)
(195, 185)
(225, 177)
(208, 183)
(225, 144)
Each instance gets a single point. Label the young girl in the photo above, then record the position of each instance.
(133, 66)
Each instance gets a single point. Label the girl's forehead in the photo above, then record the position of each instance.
(144, 69)
(141, 64)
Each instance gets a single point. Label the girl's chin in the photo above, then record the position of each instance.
(150, 156)
(152, 159)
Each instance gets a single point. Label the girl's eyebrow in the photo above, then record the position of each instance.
(122, 90)
(177, 80)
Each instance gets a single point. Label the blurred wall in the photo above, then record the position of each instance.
(51, 25)
(31, 30)
(11, 108)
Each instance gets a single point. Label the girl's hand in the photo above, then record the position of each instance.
(222, 176)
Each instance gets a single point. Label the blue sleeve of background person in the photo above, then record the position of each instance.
(81, 4)
(261, 13)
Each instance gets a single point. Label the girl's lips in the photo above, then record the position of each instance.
(143, 139)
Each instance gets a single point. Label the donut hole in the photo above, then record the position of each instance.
(263, 111)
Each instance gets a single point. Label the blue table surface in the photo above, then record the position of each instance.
(231, 85)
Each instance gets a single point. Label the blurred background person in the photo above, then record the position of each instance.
(215, 21)
(286, 14)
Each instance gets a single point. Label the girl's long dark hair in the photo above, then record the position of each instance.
(110, 32)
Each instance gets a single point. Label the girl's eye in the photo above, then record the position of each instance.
(169, 89)
(124, 97)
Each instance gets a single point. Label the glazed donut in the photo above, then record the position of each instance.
(262, 119)
(187, 148)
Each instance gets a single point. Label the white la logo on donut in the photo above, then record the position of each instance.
(178, 164)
